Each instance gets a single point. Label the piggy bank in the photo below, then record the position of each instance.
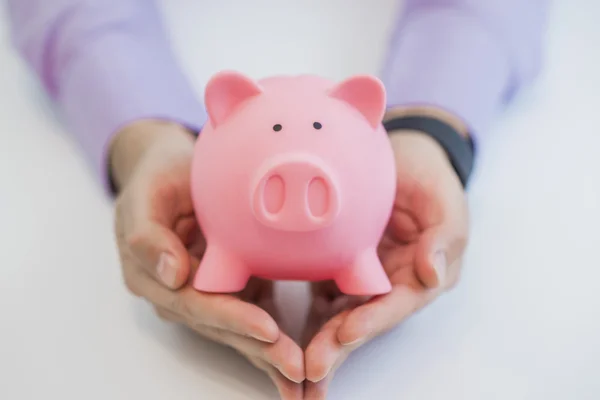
(293, 178)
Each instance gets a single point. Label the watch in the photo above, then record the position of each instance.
(460, 149)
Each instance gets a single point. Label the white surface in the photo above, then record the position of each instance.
(523, 324)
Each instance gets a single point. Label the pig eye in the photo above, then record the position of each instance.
(277, 127)
(317, 125)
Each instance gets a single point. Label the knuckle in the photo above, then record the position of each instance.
(132, 283)
(119, 214)
(257, 362)
(133, 288)
(163, 314)
(127, 240)
(225, 337)
(133, 240)
(179, 305)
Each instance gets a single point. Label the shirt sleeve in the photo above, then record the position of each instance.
(105, 63)
(468, 57)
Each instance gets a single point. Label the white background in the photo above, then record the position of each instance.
(523, 324)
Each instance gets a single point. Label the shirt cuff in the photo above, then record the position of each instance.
(447, 58)
(117, 79)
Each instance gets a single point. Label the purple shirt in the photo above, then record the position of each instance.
(108, 62)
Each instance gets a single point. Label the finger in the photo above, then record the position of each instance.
(188, 231)
(318, 315)
(381, 314)
(324, 355)
(325, 352)
(438, 249)
(403, 226)
(160, 253)
(415, 207)
(284, 354)
(431, 259)
(268, 304)
(323, 309)
(287, 389)
(144, 235)
(167, 315)
(261, 292)
(151, 215)
(317, 390)
(215, 310)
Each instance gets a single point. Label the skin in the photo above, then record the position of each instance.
(421, 252)
(160, 245)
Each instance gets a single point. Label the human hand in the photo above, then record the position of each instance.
(160, 247)
(421, 252)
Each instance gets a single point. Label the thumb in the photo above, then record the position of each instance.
(438, 248)
(161, 253)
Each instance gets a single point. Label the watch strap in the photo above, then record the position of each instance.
(460, 149)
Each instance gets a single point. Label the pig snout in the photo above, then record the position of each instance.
(295, 192)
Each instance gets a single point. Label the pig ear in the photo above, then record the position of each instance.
(225, 92)
(366, 94)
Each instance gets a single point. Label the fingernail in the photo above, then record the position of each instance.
(354, 342)
(260, 338)
(167, 269)
(322, 377)
(359, 331)
(439, 265)
(289, 378)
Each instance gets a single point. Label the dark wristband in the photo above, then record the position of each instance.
(460, 150)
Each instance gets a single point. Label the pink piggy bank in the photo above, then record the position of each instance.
(293, 178)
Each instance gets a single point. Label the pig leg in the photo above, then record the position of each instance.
(366, 276)
(220, 271)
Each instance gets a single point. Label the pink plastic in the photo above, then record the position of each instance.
(293, 178)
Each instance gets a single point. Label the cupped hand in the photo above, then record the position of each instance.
(421, 252)
(160, 247)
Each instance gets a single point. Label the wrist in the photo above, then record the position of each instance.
(133, 142)
(421, 158)
(430, 128)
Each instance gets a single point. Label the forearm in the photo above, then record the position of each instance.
(106, 63)
(464, 59)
